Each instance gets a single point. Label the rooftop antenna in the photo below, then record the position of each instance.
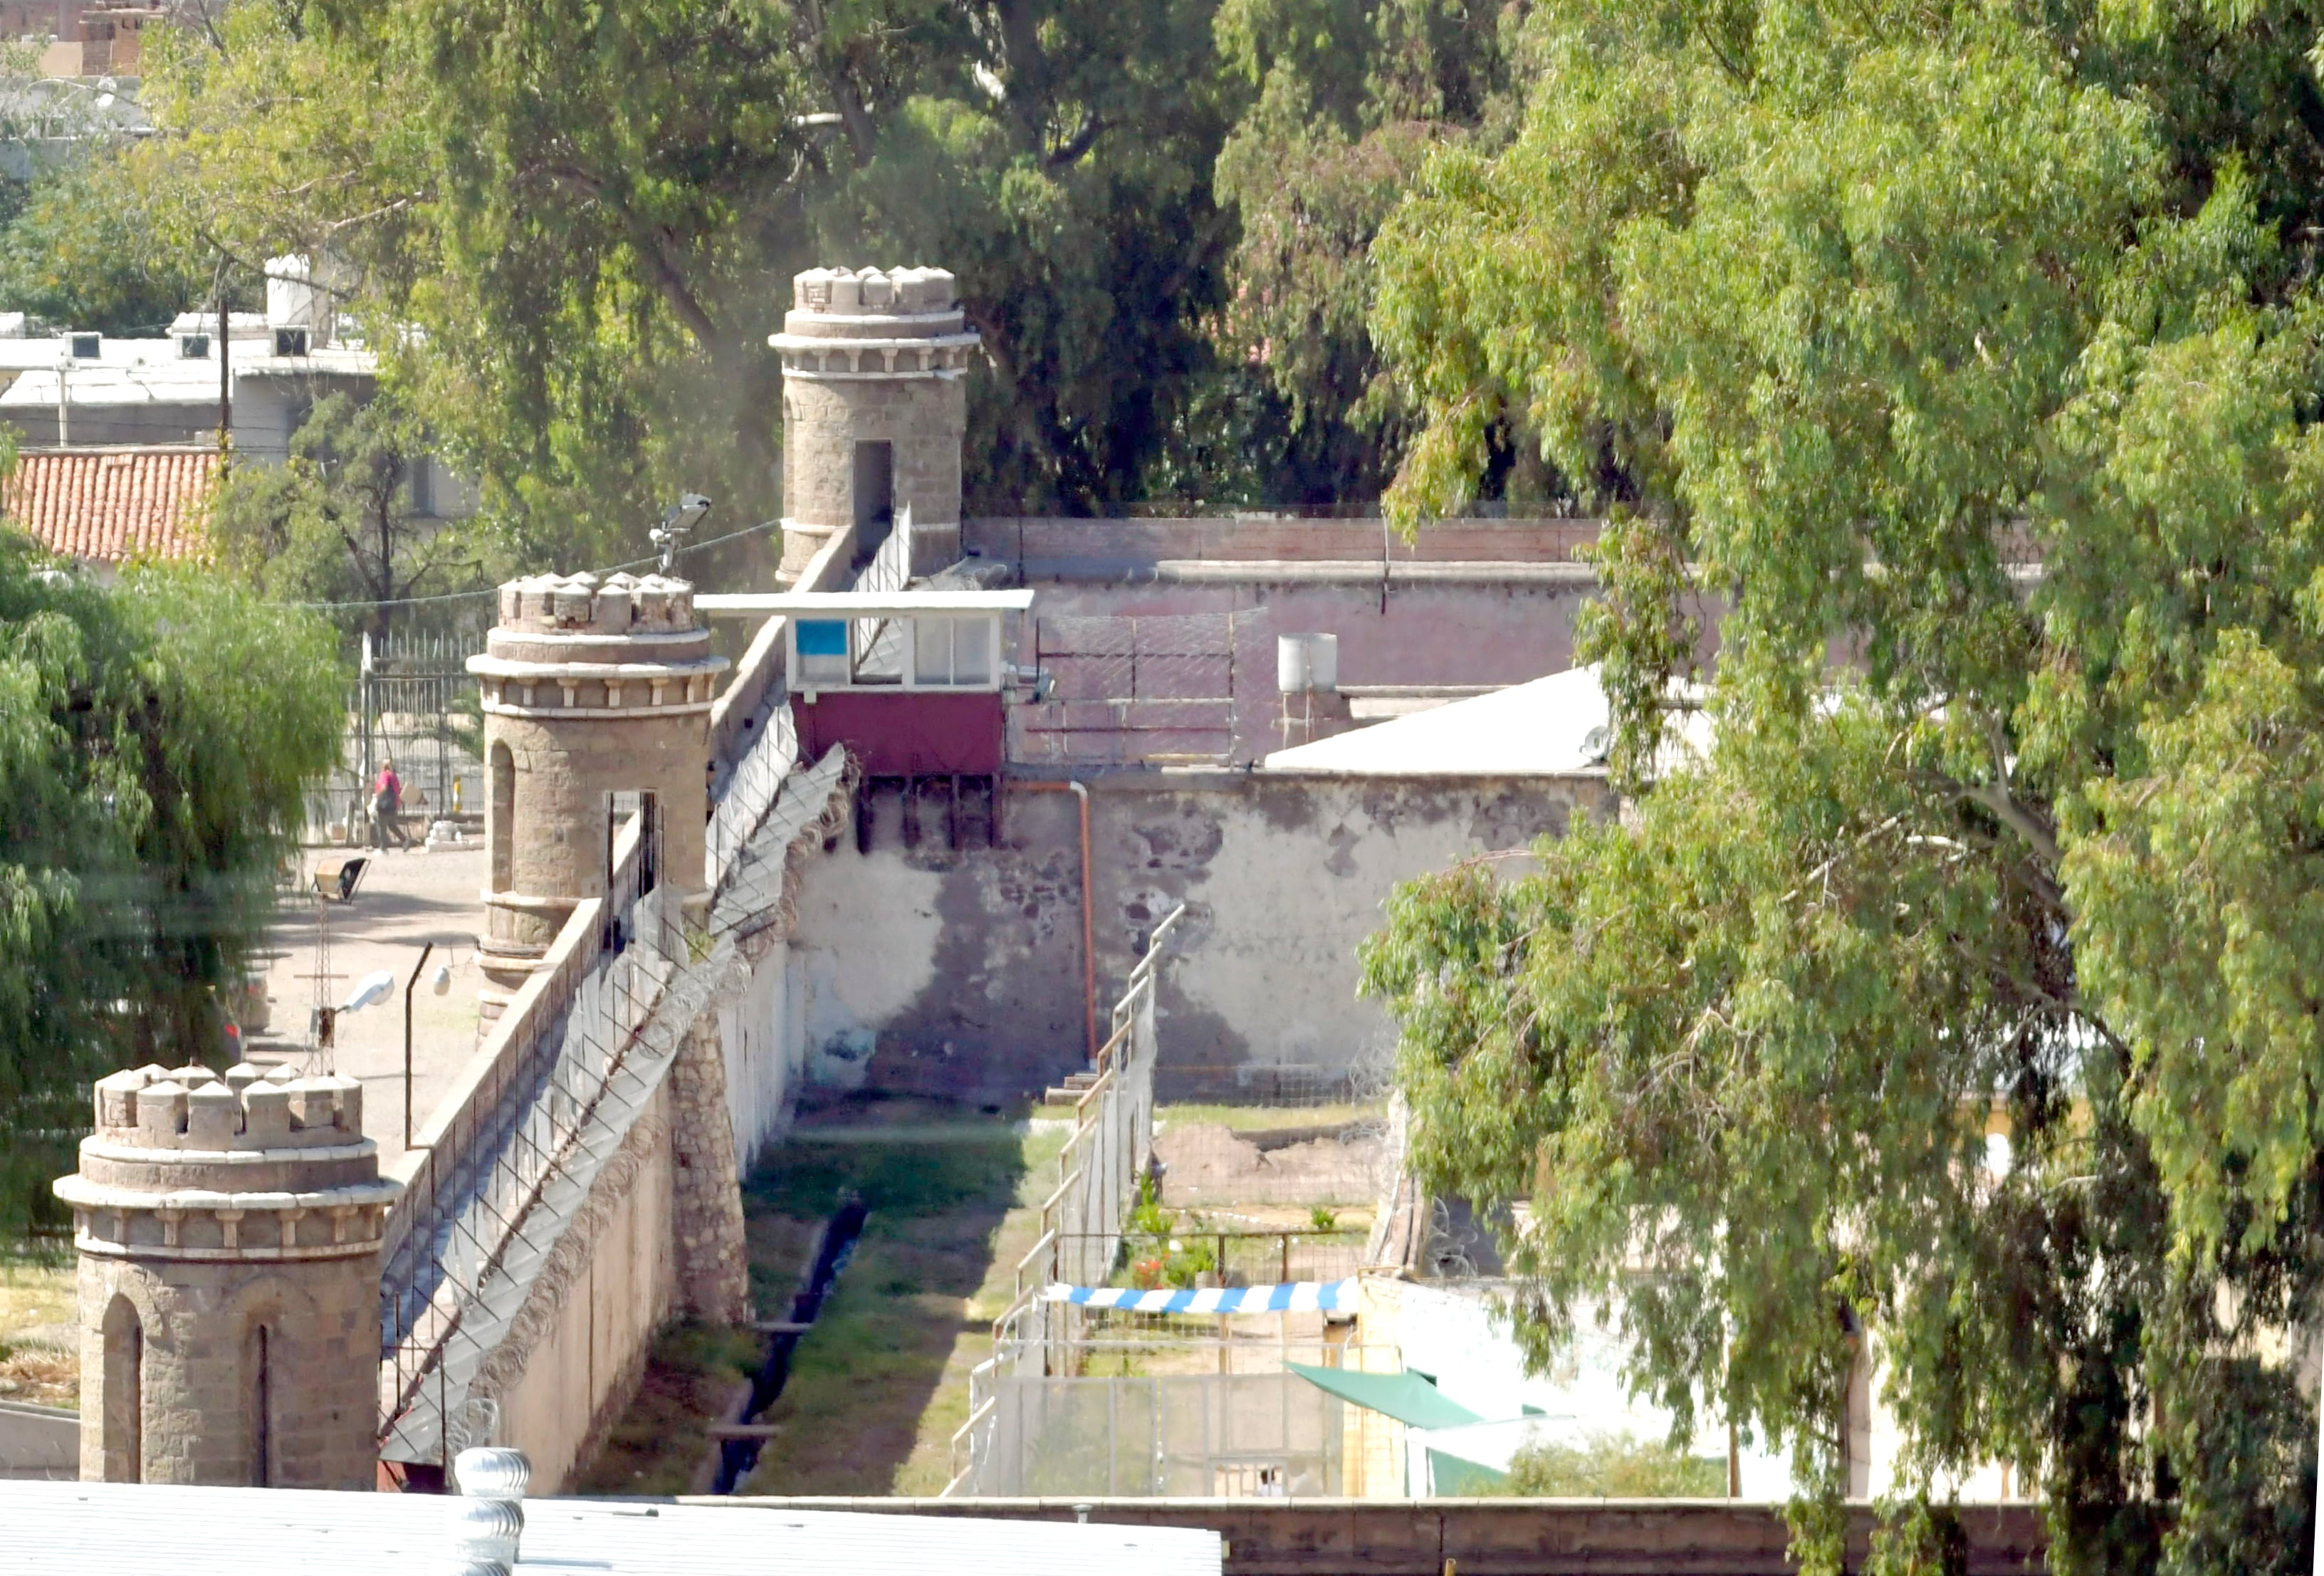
(669, 535)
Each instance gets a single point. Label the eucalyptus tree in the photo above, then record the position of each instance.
(572, 226)
(1960, 1000)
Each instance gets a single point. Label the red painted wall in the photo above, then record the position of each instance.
(906, 733)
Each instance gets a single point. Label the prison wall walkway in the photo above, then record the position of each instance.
(579, 1187)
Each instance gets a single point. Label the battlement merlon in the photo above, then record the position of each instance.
(887, 294)
(622, 646)
(195, 1111)
(619, 605)
(869, 325)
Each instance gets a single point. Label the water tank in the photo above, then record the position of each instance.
(1306, 662)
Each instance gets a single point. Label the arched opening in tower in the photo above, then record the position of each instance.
(500, 832)
(124, 1416)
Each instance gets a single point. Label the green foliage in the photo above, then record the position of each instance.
(1352, 100)
(1323, 1219)
(154, 744)
(1153, 1253)
(594, 214)
(1148, 1218)
(1963, 996)
(1617, 1466)
(336, 523)
(83, 249)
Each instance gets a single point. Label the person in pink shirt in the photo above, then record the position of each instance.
(387, 808)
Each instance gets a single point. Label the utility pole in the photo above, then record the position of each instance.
(64, 400)
(226, 386)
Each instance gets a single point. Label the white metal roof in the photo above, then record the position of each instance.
(861, 603)
(122, 1529)
(1551, 727)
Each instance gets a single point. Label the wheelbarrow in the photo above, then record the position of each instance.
(337, 879)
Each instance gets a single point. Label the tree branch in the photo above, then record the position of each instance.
(657, 248)
(1996, 798)
(665, 263)
(1073, 148)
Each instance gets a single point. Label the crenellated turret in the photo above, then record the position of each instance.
(228, 1228)
(874, 410)
(591, 689)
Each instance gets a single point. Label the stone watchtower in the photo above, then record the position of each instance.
(590, 689)
(229, 1237)
(875, 410)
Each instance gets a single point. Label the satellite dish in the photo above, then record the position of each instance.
(376, 986)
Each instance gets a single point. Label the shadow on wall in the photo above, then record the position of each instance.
(957, 973)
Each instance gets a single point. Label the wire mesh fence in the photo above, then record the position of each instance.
(1259, 1434)
(1083, 1220)
(1230, 1257)
(1289, 1085)
(749, 792)
(1131, 687)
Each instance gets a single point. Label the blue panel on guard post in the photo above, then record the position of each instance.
(822, 637)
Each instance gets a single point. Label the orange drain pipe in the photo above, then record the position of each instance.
(1089, 943)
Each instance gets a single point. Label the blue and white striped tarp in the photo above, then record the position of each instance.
(1305, 1296)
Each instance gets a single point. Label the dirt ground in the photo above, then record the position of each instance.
(40, 1338)
(1207, 1163)
(406, 899)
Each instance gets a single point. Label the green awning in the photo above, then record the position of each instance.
(1462, 1478)
(1405, 1396)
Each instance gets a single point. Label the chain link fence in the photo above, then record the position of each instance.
(1263, 1434)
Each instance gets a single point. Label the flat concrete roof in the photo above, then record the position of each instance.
(166, 1530)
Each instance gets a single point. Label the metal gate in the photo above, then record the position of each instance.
(415, 703)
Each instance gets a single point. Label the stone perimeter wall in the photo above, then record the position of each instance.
(958, 972)
(662, 1232)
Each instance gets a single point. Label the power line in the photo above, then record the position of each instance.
(494, 590)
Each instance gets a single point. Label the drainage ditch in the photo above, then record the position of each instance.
(743, 1436)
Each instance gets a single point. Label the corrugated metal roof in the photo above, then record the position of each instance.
(108, 505)
(121, 1529)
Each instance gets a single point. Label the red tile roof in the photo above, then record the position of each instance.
(109, 504)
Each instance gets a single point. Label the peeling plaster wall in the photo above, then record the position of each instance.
(959, 972)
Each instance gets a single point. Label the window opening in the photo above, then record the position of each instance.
(501, 831)
(822, 646)
(262, 1411)
(952, 650)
